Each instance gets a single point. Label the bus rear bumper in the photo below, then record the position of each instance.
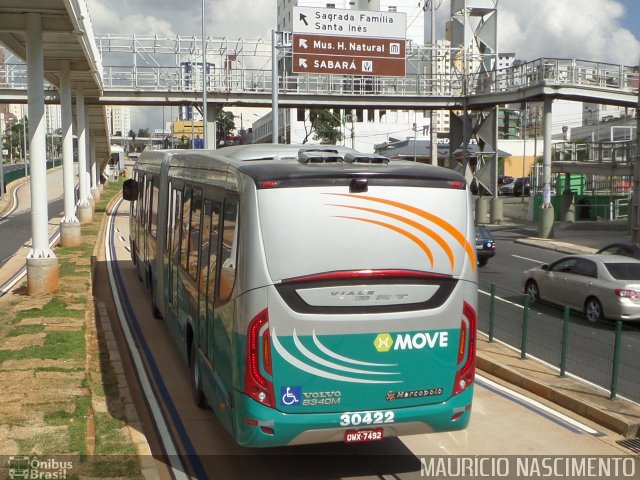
(261, 426)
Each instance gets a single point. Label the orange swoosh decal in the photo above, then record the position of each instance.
(439, 240)
(454, 232)
(409, 235)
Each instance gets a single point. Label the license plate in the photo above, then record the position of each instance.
(364, 435)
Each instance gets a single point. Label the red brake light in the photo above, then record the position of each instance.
(456, 184)
(269, 184)
(626, 293)
(363, 274)
(255, 384)
(466, 374)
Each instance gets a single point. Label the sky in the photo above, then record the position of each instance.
(598, 30)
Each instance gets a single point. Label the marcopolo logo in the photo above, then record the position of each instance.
(411, 341)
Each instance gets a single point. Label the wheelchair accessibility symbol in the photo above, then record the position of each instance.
(290, 395)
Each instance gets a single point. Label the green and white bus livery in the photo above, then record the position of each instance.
(317, 294)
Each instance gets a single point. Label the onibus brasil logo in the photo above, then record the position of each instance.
(411, 341)
(25, 467)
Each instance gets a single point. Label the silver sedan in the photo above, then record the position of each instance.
(601, 286)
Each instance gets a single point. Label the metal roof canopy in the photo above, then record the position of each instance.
(67, 34)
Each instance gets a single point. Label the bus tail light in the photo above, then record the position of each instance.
(467, 346)
(255, 384)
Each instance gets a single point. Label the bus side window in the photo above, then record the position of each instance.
(155, 193)
(229, 249)
(194, 232)
(211, 274)
(174, 239)
(186, 225)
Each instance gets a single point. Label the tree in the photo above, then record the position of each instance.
(323, 125)
(143, 132)
(132, 135)
(225, 125)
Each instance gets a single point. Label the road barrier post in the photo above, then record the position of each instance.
(525, 328)
(617, 350)
(565, 341)
(492, 310)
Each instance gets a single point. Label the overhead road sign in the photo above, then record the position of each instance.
(379, 67)
(354, 23)
(352, 46)
(349, 42)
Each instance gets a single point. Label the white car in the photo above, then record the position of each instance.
(601, 286)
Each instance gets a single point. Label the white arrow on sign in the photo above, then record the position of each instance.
(303, 43)
(302, 63)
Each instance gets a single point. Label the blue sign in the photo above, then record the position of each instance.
(290, 395)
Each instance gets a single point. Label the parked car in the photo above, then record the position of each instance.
(628, 249)
(522, 184)
(507, 188)
(504, 180)
(485, 245)
(601, 286)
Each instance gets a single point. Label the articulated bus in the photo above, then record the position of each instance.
(316, 293)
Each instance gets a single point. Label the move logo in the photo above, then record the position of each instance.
(411, 341)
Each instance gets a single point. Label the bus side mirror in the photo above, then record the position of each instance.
(130, 190)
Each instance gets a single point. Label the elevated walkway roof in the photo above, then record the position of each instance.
(67, 34)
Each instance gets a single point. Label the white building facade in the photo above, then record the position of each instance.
(118, 119)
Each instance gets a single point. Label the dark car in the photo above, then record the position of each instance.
(485, 245)
(504, 179)
(628, 249)
(522, 184)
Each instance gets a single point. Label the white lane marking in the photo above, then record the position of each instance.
(538, 405)
(488, 294)
(163, 430)
(528, 259)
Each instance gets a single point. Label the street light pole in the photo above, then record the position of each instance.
(274, 87)
(204, 82)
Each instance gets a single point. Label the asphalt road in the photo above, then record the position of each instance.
(590, 346)
(15, 229)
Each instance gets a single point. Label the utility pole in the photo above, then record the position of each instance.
(635, 200)
(204, 83)
(434, 89)
(353, 128)
(2, 156)
(274, 87)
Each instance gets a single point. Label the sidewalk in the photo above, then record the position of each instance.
(496, 359)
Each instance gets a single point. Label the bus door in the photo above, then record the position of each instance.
(172, 257)
(206, 288)
(187, 280)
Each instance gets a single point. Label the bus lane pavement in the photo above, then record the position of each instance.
(503, 422)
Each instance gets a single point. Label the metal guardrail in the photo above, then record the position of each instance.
(615, 152)
(151, 64)
(602, 354)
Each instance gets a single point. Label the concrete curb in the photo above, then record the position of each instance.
(134, 425)
(554, 245)
(564, 393)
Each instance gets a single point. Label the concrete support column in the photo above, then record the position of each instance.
(42, 264)
(545, 229)
(482, 208)
(212, 127)
(70, 232)
(496, 211)
(85, 213)
(95, 193)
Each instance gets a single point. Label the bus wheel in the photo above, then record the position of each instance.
(196, 386)
(154, 309)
